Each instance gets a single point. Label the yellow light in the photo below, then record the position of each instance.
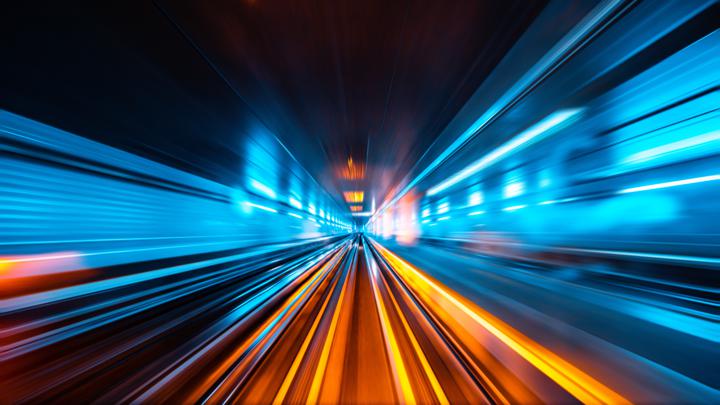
(354, 196)
(356, 208)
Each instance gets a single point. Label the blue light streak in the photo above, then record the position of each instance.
(674, 147)
(526, 138)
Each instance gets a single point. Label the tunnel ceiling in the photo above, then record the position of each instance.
(182, 82)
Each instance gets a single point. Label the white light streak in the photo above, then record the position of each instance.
(525, 138)
(260, 207)
(669, 184)
(514, 208)
(262, 188)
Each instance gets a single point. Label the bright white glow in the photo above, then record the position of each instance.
(474, 213)
(292, 214)
(263, 188)
(524, 139)
(669, 184)
(260, 207)
(311, 209)
(425, 221)
(445, 218)
(443, 207)
(563, 200)
(322, 214)
(425, 212)
(652, 153)
(295, 202)
(476, 198)
(362, 214)
(513, 189)
(514, 207)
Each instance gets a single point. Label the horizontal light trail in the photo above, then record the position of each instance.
(670, 184)
(262, 188)
(526, 138)
(673, 147)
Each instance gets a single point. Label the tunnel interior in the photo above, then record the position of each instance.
(360, 202)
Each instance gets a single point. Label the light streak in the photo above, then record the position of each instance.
(262, 188)
(260, 207)
(434, 383)
(476, 198)
(443, 207)
(292, 214)
(581, 385)
(513, 189)
(669, 184)
(673, 147)
(295, 202)
(400, 373)
(321, 367)
(514, 207)
(290, 376)
(531, 135)
(554, 58)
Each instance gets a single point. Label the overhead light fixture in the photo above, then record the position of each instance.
(263, 189)
(354, 196)
(356, 208)
(295, 202)
(353, 171)
(533, 134)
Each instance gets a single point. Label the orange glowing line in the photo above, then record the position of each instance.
(439, 393)
(356, 208)
(303, 291)
(576, 382)
(398, 366)
(322, 363)
(290, 376)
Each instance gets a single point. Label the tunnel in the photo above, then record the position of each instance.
(360, 202)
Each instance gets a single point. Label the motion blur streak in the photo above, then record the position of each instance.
(575, 381)
(360, 202)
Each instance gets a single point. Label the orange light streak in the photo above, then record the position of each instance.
(290, 304)
(576, 382)
(325, 354)
(402, 381)
(434, 383)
